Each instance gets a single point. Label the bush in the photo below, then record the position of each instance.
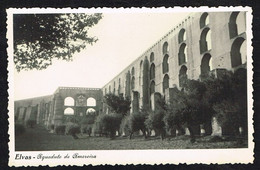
(19, 129)
(155, 122)
(52, 126)
(60, 130)
(72, 129)
(173, 120)
(30, 123)
(109, 123)
(133, 123)
(86, 128)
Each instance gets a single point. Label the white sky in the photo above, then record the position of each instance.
(123, 37)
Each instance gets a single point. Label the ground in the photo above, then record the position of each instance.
(39, 139)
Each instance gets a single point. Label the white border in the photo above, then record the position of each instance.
(112, 157)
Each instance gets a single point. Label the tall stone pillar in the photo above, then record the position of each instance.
(146, 84)
(154, 98)
(58, 110)
(127, 85)
(135, 102)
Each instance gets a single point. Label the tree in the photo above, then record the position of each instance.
(39, 38)
(117, 104)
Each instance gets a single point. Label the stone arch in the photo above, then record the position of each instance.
(165, 48)
(69, 111)
(236, 57)
(236, 24)
(165, 65)
(90, 111)
(133, 71)
(205, 40)
(183, 75)
(182, 35)
(182, 55)
(165, 82)
(152, 57)
(141, 72)
(69, 101)
(91, 101)
(152, 71)
(152, 87)
(204, 19)
(206, 66)
(133, 83)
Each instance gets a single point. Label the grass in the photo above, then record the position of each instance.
(39, 139)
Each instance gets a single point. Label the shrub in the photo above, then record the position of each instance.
(60, 130)
(52, 126)
(133, 123)
(30, 123)
(86, 128)
(155, 121)
(72, 129)
(19, 129)
(109, 123)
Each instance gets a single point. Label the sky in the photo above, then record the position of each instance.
(122, 37)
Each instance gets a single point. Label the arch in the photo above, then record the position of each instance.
(133, 71)
(152, 71)
(182, 75)
(165, 82)
(140, 72)
(105, 91)
(204, 19)
(90, 111)
(109, 89)
(119, 89)
(236, 57)
(182, 56)
(69, 101)
(205, 40)
(91, 101)
(152, 87)
(206, 67)
(133, 83)
(119, 81)
(165, 48)
(236, 24)
(68, 111)
(152, 57)
(182, 35)
(165, 63)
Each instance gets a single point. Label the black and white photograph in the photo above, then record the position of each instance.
(137, 85)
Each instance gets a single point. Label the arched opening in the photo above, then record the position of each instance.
(109, 89)
(152, 88)
(237, 24)
(133, 71)
(69, 111)
(183, 75)
(237, 52)
(204, 20)
(91, 101)
(165, 63)
(90, 111)
(205, 65)
(182, 54)
(182, 36)
(133, 83)
(69, 101)
(152, 71)
(140, 73)
(105, 91)
(119, 89)
(205, 40)
(165, 48)
(165, 82)
(152, 57)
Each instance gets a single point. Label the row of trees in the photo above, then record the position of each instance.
(193, 107)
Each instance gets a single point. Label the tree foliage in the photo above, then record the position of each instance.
(38, 38)
(117, 104)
